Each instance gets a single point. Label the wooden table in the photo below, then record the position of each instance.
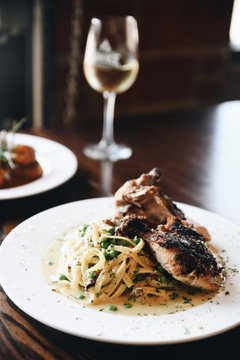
(199, 154)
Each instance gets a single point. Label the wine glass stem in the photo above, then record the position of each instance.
(108, 118)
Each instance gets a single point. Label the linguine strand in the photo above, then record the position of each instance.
(106, 265)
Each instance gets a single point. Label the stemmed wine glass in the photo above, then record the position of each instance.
(111, 66)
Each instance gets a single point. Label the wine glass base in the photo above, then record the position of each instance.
(113, 152)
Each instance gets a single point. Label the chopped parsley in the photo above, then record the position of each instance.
(173, 296)
(187, 300)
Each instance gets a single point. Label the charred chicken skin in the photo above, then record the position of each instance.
(180, 250)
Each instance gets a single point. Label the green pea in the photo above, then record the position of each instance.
(81, 296)
(103, 238)
(127, 306)
(63, 277)
(91, 274)
(159, 268)
(106, 254)
(104, 244)
(163, 279)
(112, 230)
(113, 241)
(113, 254)
(136, 240)
(124, 242)
(139, 277)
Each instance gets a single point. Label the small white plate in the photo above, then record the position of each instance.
(22, 279)
(59, 164)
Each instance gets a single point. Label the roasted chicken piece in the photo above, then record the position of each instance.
(180, 250)
(22, 174)
(23, 155)
(144, 198)
(21, 169)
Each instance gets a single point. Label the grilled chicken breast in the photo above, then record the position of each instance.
(180, 250)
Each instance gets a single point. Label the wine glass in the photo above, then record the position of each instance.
(111, 66)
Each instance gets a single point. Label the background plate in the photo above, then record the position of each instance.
(58, 162)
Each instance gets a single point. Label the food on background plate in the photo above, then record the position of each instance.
(18, 164)
(139, 255)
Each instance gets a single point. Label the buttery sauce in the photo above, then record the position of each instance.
(176, 300)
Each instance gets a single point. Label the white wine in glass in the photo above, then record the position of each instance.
(111, 67)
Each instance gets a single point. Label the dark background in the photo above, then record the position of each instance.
(186, 61)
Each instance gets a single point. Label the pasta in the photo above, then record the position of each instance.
(106, 266)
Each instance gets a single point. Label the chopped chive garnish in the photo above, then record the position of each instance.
(50, 262)
(112, 308)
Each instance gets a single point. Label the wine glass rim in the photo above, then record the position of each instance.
(100, 18)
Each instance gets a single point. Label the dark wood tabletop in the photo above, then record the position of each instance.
(198, 152)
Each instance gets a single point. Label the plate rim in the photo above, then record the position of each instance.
(95, 337)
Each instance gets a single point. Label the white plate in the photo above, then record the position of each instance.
(22, 279)
(58, 162)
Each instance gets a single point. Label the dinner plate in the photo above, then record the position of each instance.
(22, 279)
(59, 164)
